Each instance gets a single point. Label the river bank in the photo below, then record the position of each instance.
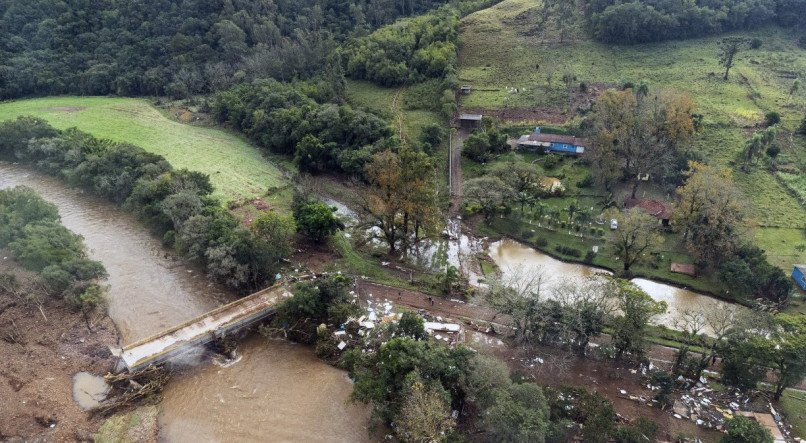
(42, 347)
(278, 385)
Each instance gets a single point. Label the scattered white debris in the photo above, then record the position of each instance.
(341, 345)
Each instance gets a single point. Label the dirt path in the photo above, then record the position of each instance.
(455, 170)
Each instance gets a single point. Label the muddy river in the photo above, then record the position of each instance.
(276, 391)
(516, 259)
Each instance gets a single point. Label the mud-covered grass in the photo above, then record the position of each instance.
(503, 51)
(238, 170)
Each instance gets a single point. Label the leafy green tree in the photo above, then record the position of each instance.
(638, 308)
(411, 325)
(519, 413)
(381, 376)
(426, 412)
(276, 233)
(741, 429)
(636, 238)
(316, 220)
(742, 367)
(641, 431)
(728, 48)
(488, 375)
(489, 193)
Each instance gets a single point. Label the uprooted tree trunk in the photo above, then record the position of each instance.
(131, 388)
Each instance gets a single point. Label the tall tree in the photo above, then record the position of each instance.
(489, 193)
(710, 212)
(401, 197)
(728, 48)
(637, 135)
(638, 309)
(637, 236)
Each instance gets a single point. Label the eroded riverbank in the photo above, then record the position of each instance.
(284, 392)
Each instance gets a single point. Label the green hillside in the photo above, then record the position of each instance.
(514, 67)
(237, 170)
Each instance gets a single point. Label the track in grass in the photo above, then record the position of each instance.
(238, 171)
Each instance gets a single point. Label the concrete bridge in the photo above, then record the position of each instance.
(201, 330)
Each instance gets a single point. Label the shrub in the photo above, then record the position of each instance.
(541, 242)
(589, 256)
(772, 118)
(551, 161)
(802, 128)
(586, 182)
(755, 43)
(565, 250)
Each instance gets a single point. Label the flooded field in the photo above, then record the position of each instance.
(277, 391)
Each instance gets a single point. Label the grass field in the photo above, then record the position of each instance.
(392, 103)
(238, 171)
(502, 51)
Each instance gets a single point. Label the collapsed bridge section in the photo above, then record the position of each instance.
(201, 330)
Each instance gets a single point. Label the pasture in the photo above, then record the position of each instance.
(238, 170)
(513, 65)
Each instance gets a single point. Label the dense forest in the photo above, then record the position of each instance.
(97, 47)
(641, 21)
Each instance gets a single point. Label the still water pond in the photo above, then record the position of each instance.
(516, 259)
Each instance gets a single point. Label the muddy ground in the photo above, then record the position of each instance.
(557, 368)
(40, 351)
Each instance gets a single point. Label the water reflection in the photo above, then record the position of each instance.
(517, 260)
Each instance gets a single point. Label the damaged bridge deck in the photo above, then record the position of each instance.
(203, 329)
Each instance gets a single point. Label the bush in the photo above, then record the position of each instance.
(541, 242)
(589, 256)
(551, 161)
(772, 118)
(315, 219)
(741, 429)
(755, 43)
(565, 250)
(802, 128)
(586, 182)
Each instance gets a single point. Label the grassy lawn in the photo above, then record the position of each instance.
(501, 52)
(793, 404)
(238, 171)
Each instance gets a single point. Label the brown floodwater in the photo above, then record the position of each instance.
(517, 260)
(275, 391)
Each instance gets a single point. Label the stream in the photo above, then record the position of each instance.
(276, 391)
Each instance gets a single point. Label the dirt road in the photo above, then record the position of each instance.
(457, 141)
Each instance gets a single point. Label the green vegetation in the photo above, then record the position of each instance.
(745, 430)
(236, 169)
(176, 204)
(497, 57)
(194, 46)
(31, 229)
(793, 404)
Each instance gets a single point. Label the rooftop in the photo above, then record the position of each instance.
(654, 208)
(554, 138)
(474, 117)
